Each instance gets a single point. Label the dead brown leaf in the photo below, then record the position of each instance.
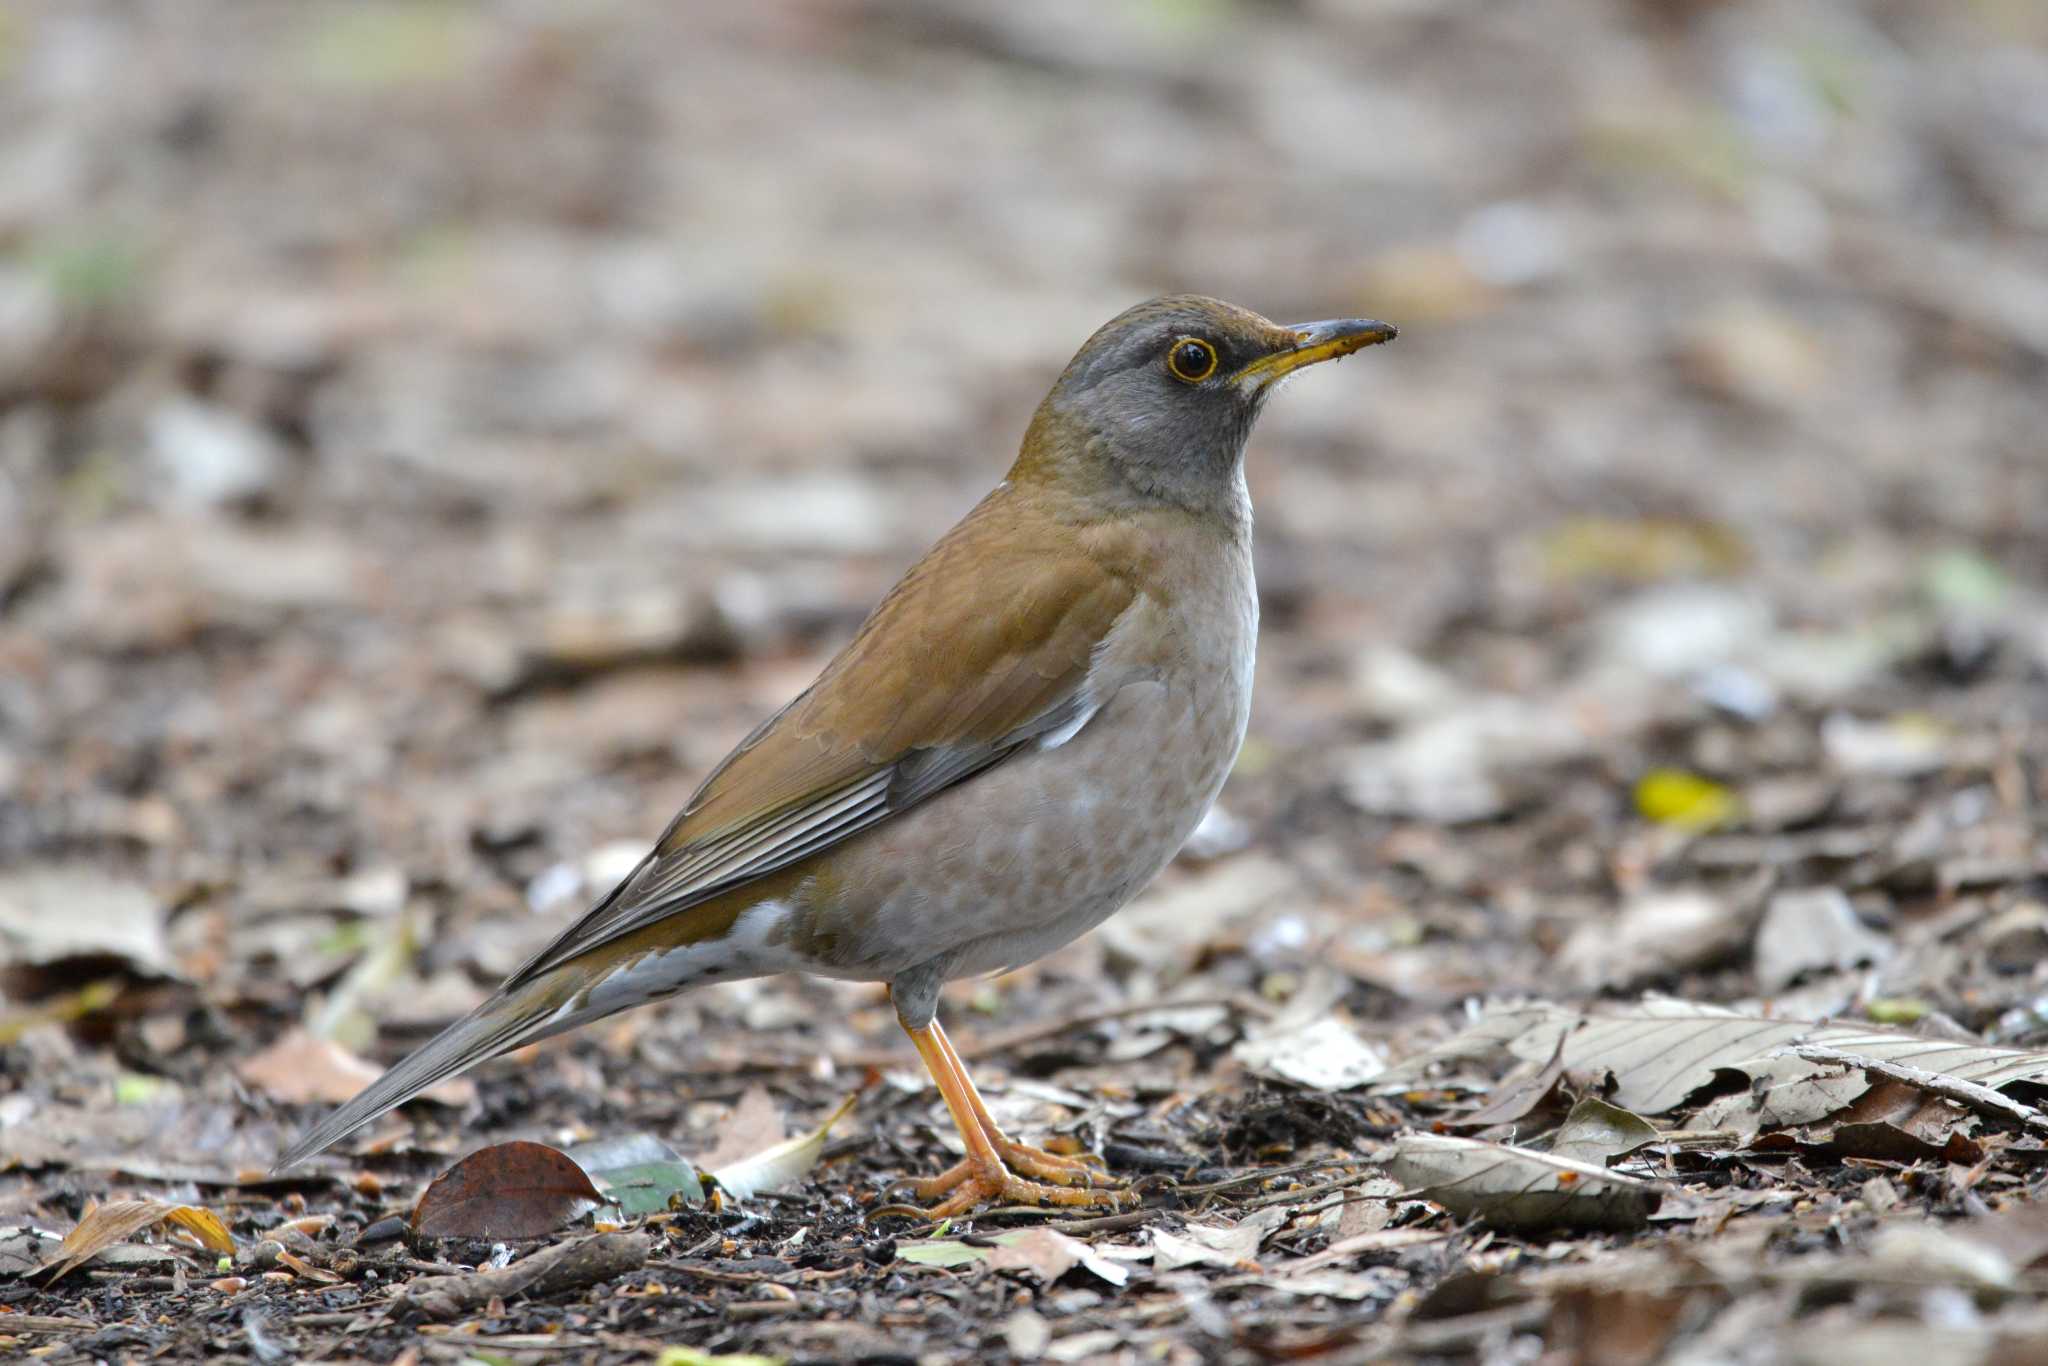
(508, 1190)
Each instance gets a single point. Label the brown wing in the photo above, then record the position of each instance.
(983, 647)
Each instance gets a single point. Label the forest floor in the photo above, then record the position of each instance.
(431, 436)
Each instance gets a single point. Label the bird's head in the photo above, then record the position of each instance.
(1159, 402)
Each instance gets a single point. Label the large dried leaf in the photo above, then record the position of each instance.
(107, 1224)
(60, 913)
(1660, 1051)
(1518, 1189)
(508, 1190)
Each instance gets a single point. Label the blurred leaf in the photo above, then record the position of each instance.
(1325, 1054)
(62, 913)
(1963, 579)
(299, 1068)
(508, 1190)
(91, 271)
(372, 44)
(1640, 551)
(133, 1088)
(1515, 1188)
(75, 1005)
(1674, 797)
(390, 944)
(690, 1356)
(1811, 929)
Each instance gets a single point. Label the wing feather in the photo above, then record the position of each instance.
(984, 647)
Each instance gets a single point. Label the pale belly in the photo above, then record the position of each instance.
(1040, 849)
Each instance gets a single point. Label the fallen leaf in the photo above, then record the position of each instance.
(1659, 1050)
(1517, 1188)
(1528, 1088)
(643, 1188)
(1671, 796)
(1812, 929)
(780, 1165)
(508, 1190)
(755, 1125)
(1655, 935)
(1043, 1252)
(1595, 1131)
(63, 914)
(690, 1356)
(1230, 1246)
(1325, 1055)
(1891, 1122)
(301, 1069)
(106, 1224)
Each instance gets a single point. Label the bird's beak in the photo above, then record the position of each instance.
(1313, 342)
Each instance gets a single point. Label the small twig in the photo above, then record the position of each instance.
(1252, 1178)
(567, 1266)
(1966, 1093)
(1107, 1223)
(1308, 1192)
(1003, 1043)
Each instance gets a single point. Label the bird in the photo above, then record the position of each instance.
(1019, 738)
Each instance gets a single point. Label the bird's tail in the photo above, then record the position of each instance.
(506, 1021)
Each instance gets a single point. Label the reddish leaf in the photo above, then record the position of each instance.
(509, 1190)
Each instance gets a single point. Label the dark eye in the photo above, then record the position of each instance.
(1191, 359)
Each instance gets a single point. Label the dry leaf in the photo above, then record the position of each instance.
(1041, 1251)
(1517, 1188)
(755, 1125)
(784, 1163)
(508, 1190)
(107, 1224)
(1231, 1246)
(60, 914)
(301, 1069)
(1325, 1055)
(1595, 1131)
(1812, 929)
(1659, 1051)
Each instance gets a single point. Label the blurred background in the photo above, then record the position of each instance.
(432, 433)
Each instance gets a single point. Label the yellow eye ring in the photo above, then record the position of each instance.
(1190, 360)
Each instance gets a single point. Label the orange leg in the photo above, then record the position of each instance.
(1018, 1157)
(982, 1177)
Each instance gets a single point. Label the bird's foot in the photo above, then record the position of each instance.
(1022, 1159)
(976, 1181)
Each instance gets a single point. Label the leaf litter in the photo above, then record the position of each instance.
(324, 711)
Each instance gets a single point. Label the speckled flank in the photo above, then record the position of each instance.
(744, 951)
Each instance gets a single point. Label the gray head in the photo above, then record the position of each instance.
(1159, 402)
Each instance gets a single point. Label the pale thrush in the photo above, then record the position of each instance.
(1017, 740)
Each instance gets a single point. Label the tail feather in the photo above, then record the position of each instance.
(505, 1022)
